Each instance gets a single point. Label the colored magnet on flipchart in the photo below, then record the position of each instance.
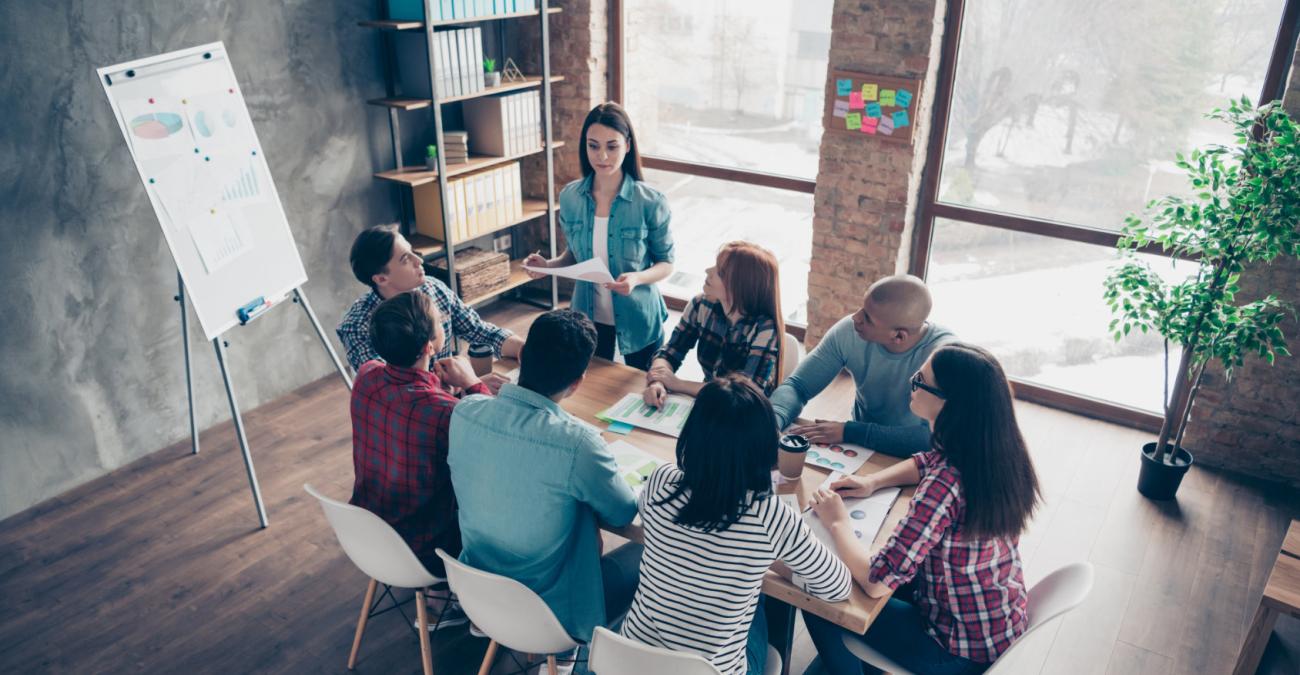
(151, 100)
(620, 428)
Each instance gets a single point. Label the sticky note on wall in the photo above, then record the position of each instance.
(869, 125)
(900, 119)
(903, 98)
(869, 92)
(873, 110)
(886, 126)
(843, 87)
(887, 97)
(853, 121)
(841, 108)
(855, 101)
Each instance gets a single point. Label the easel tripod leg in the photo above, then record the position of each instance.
(189, 377)
(239, 431)
(301, 299)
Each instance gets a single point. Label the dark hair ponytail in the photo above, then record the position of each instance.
(726, 451)
(976, 432)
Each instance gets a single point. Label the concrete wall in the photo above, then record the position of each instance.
(91, 375)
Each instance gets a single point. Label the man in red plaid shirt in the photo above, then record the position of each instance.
(400, 418)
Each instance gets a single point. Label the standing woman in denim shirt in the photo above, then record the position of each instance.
(612, 215)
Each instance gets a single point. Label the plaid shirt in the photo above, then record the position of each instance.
(748, 347)
(971, 591)
(400, 420)
(458, 319)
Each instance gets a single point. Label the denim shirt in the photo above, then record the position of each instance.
(532, 483)
(638, 238)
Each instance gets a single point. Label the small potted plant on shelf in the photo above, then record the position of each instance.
(1243, 210)
(490, 72)
(431, 158)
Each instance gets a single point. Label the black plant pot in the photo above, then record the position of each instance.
(1159, 480)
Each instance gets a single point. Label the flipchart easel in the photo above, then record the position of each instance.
(192, 140)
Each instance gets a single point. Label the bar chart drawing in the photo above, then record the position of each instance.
(243, 186)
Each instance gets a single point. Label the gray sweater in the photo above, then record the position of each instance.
(881, 420)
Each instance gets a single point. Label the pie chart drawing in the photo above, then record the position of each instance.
(202, 124)
(156, 126)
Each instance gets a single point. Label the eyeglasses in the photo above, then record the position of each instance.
(918, 383)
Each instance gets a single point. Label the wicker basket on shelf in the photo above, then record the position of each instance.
(478, 272)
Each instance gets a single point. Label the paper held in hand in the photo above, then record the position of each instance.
(592, 269)
(866, 515)
(667, 419)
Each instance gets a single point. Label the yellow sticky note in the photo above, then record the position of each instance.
(853, 121)
(886, 97)
(869, 92)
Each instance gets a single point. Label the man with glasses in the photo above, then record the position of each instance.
(882, 345)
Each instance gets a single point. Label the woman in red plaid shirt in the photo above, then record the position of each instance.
(957, 546)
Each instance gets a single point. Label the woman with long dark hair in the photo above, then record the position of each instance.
(712, 530)
(612, 215)
(735, 325)
(958, 544)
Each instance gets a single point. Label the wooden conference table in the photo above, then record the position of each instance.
(608, 382)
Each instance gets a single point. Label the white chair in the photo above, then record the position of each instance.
(613, 654)
(1058, 593)
(508, 612)
(791, 352)
(381, 554)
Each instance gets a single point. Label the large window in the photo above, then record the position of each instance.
(1063, 117)
(727, 101)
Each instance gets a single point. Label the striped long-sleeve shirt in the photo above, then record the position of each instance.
(699, 590)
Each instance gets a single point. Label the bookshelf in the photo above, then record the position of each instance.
(439, 102)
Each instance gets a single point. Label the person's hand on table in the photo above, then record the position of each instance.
(654, 394)
(494, 380)
(625, 282)
(824, 432)
(456, 372)
(828, 506)
(854, 486)
(535, 260)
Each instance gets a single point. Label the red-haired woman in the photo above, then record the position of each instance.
(735, 326)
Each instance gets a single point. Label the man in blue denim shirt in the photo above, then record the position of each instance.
(533, 483)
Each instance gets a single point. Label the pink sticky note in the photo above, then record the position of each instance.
(855, 100)
(869, 125)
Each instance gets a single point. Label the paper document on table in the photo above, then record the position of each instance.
(867, 515)
(667, 419)
(634, 464)
(592, 269)
(843, 457)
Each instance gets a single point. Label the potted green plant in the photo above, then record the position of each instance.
(490, 72)
(1243, 210)
(431, 157)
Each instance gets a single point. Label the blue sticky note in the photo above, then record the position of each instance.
(873, 110)
(900, 119)
(903, 98)
(621, 428)
(843, 87)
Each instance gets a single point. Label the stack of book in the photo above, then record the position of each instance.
(413, 10)
(505, 126)
(459, 57)
(455, 147)
(477, 203)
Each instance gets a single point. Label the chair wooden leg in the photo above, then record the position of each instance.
(1252, 648)
(488, 658)
(550, 663)
(361, 622)
(426, 653)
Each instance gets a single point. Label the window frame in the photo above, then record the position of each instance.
(929, 208)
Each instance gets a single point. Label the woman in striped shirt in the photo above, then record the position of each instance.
(712, 530)
(735, 326)
(975, 492)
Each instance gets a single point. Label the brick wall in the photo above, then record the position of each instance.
(1250, 424)
(867, 190)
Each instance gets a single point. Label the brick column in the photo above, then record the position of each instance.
(867, 191)
(1250, 424)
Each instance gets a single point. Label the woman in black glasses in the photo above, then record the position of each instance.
(958, 544)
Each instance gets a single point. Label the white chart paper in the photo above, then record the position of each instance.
(843, 457)
(866, 514)
(592, 269)
(667, 419)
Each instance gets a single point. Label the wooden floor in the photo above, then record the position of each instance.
(160, 566)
